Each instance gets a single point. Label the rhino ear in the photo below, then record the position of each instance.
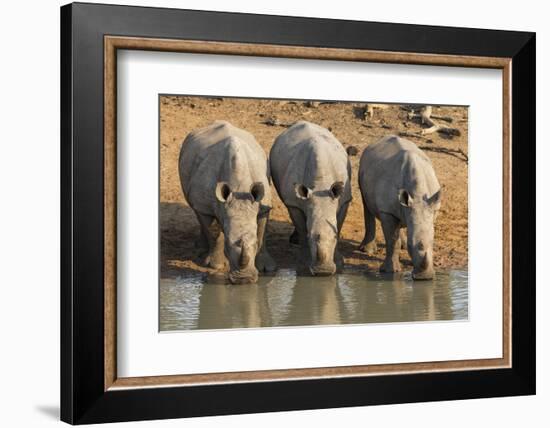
(302, 192)
(434, 199)
(257, 191)
(337, 189)
(405, 198)
(223, 192)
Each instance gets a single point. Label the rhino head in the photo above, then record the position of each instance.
(420, 214)
(238, 215)
(321, 207)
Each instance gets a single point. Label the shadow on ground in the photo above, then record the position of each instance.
(50, 411)
(179, 230)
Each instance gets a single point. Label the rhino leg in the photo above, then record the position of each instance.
(390, 226)
(340, 217)
(299, 221)
(368, 245)
(294, 238)
(203, 243)
(403, 238)
(215, 257)
(264, 262)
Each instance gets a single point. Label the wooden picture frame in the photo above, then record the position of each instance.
(90, 389)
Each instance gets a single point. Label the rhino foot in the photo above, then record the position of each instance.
(339, 261)
(303, 261)
(294, 238)
(201, 244)
(215, 262)
(390, 266)
(303, 270)
(265, 263)
(369, 249)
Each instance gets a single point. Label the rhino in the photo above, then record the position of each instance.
(311, 173)
(399, 187)
(224, 176)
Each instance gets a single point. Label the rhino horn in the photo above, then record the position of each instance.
(322, 256)
(244, 260)
(424, 264)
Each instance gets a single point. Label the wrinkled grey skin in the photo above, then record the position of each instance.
(399, 187)
(311, 172)
(224, 176)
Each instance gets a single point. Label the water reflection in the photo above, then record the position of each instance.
(288, 300)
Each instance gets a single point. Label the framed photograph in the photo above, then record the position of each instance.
(266, 213)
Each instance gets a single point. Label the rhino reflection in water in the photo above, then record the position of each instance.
(281, 301)
(291, 300)
(226, 306)
(392, 298)
(224, 178)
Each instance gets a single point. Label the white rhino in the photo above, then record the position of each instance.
(224, 176)
(311, 172)
(399, 187)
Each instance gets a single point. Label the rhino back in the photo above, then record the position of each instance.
(389, 165)
(220, 152)
(308, 154)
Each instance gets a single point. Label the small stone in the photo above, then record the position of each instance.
(352, 151)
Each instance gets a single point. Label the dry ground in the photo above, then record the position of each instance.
(179, 229)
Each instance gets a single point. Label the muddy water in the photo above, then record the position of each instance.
(285, 299)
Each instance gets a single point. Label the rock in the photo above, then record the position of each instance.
(272, 121)
(352, 150)
(360, 113)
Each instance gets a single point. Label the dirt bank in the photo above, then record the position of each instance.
(265, 119)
